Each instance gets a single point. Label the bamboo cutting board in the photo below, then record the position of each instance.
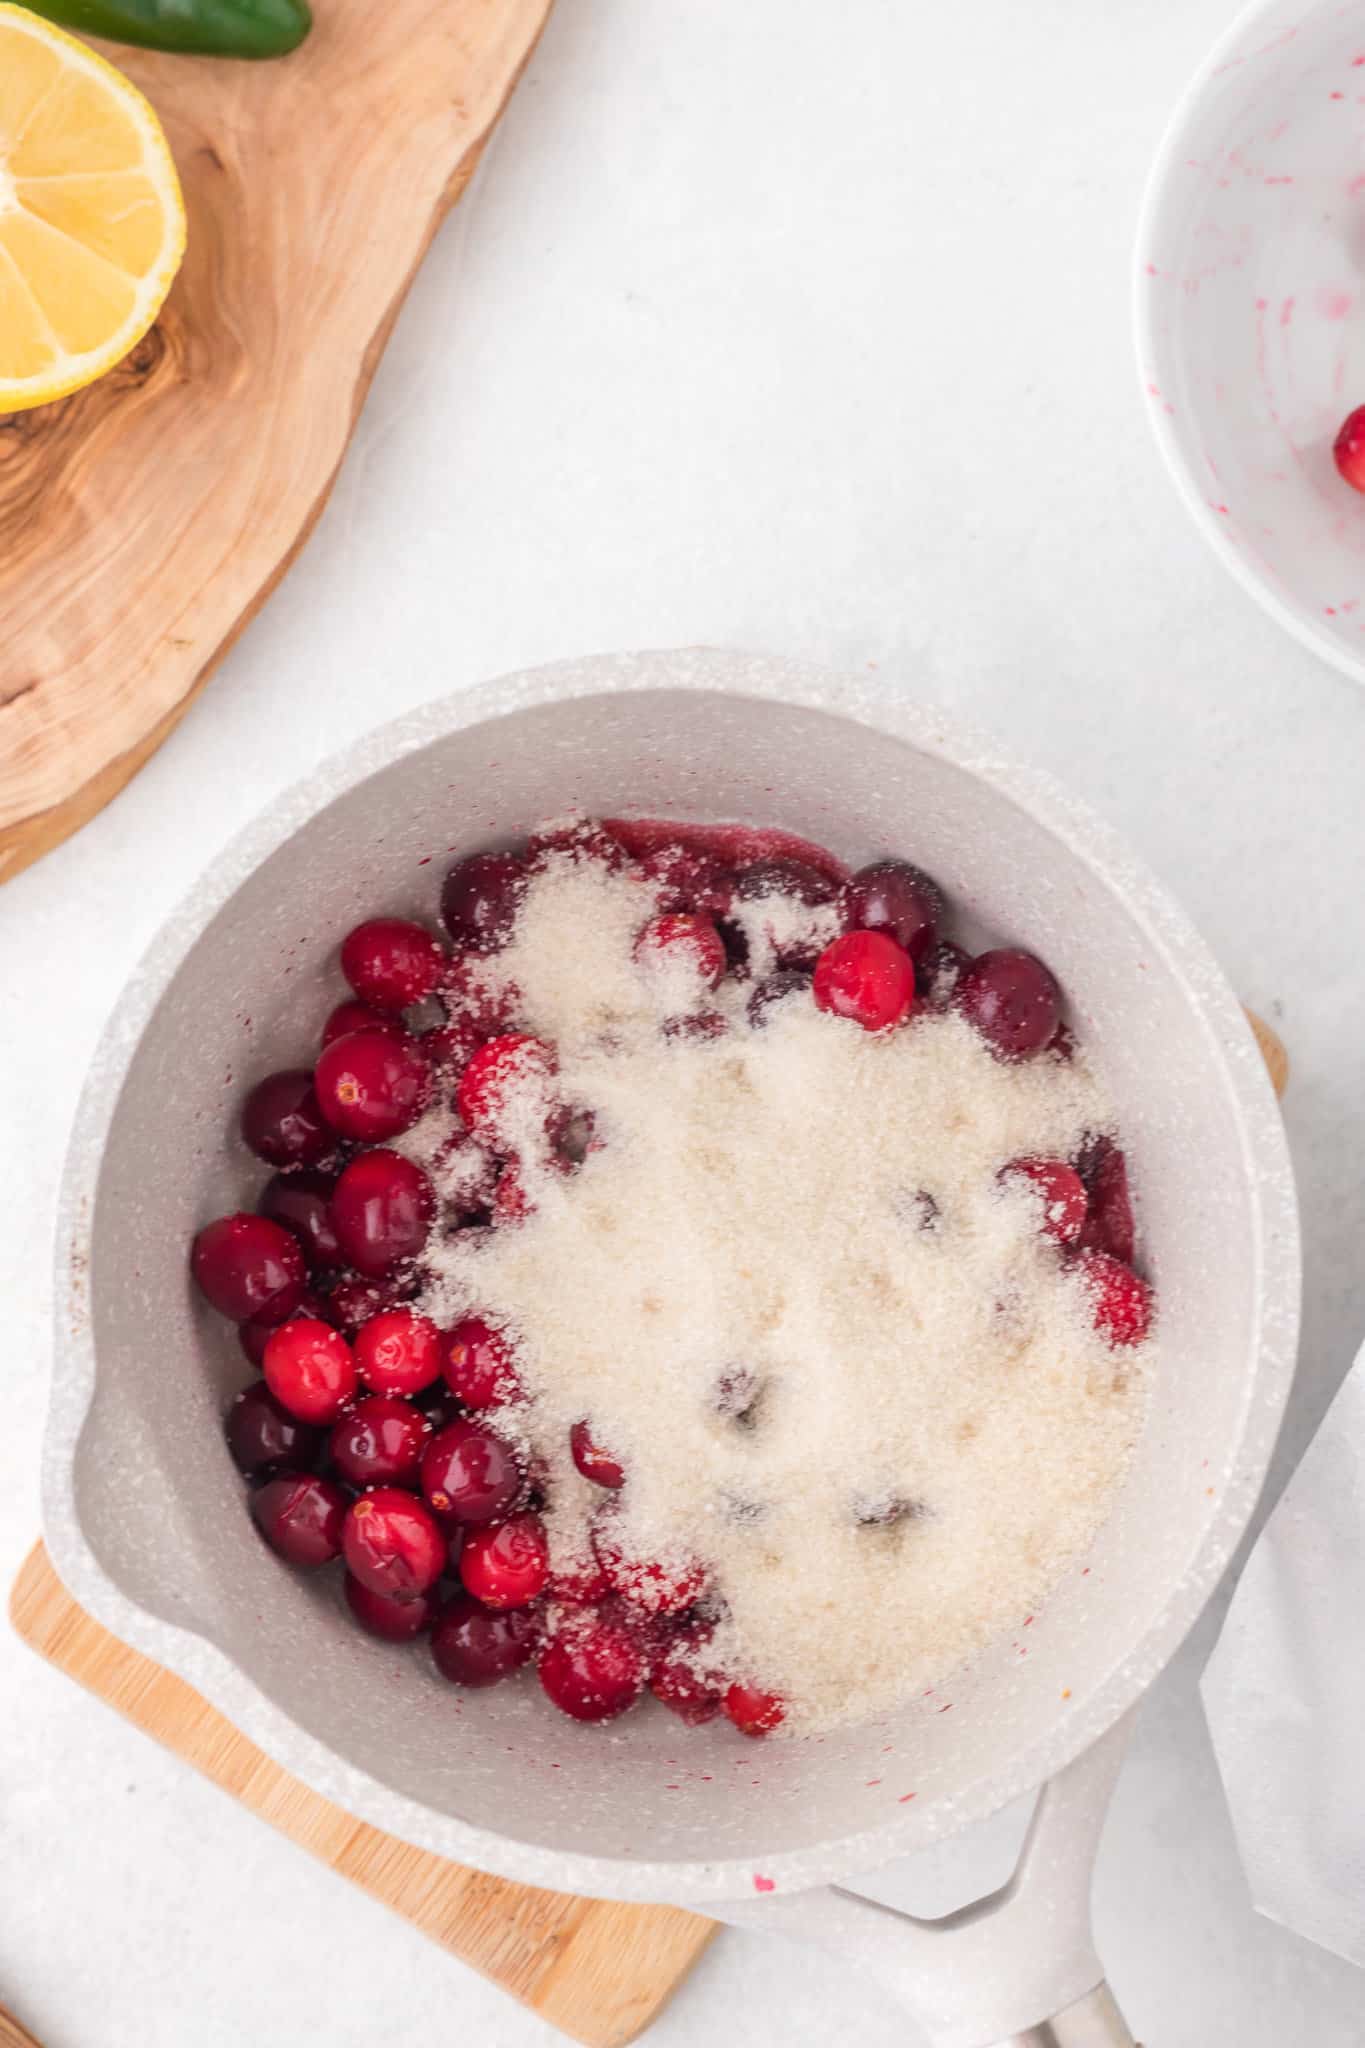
(144, 521)
(598, 1971)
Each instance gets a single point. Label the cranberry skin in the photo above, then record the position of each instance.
(1120, 1303)
(1348, 450)
(866, 977)
(353, 1301)
(938, 973)
(659, 1589)
(349, 1017)
(398, 1352)
(494, 1073)
(1104, 1170)
(372, 1084)
(310, 1369)
(479, 1365)
(480, 900)
(474, 1648)
(782, 876)
(282, 1123)
(685, 936)
(471, 1473)
(391, 962)
(1061, 1192)
(506, 1565)
(891, 896)
(379, 1442)
(592, 1461)
(301, 1517)
(753, 1712)
(684, 1692)
(263, 1437)
(379, 1614)
(690, 880)
(592, 1669)
(381, 1211)
(254, 1335)
(302, 1202)
(393, 1544)
(788, 981)
(248, 1266)
(1012, 1000)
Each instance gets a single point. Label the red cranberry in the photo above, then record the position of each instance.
(302, 1202)
(752, 1711)
(1120, 1303)
(380, 1614)
(480, 900)
(939, 972)
(382, 1211)
(591, 1668)
(448, 1048)
(585, 838)
(891, 896)
(659, 1589)
(1348, 450)
(466, 1176)
(485, 1003)
(391, 962)
(497, 1074)
(783, 876)
(1012, 1000)
(353, 1301)
(479, 1365)
(372, 1084)
(282, 1123)
(866, 977)
(1104, 1170)
(579, 1581)
(392, 1543)
(1060, 1191)
(690, 880)
(254, 1335)
(507, 1565)
(309, 1367)
(472, 1647)
(398, 1352)
(685, 1692)
(349, 1017)
(300, 1517)
(248, 1266)
(263, 1436)
(471, 1473)
(788, 981)
(379, 1442)
(592, 1461)
(683, 936)
(511, 1202)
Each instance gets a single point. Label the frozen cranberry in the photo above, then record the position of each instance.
(310, 1368)
(382, 1211)
(683, 937)
(592, 1461)
(585, 838)
(783, 876)
(866, 977)
(253, 1335)
(1060, 1192)
(690, 880)
(471, 1473)
(398, 1352)
(480, 900)
(392, 1543)
(1348, 450)
(302, 1202)
(263, 1436)
(498, 1076)
(891, 896)
(391, 962)
(379, 1442)
(349, 1017)
(1120, 1303)
(938, 973)
(353, 1301)
(1104, 1170)
(1012, 1000)
(777, 988)
(448, 1048)
(684, 1691)
(591, 1668)
(372, 1084)
(752, 1711)
(301, 1517)
(472, 1647)
(659, 1589)
(248, 1266)
(282, 1123)
(506, 1565)
(479, 1365)
(479, 997)
(392, 1620)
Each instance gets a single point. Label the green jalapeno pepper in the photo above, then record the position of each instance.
(203, 28)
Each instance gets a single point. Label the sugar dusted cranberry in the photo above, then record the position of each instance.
(685, 938)
(506, 1565)
(353, 1300)
(1348, 450)
(753, 1711)
(776, 988)
(479, 996)
(689, 880)
(448, 1048)
(591, 1668)
(1120, 1303)
(479, 1365)
(1104, 1170)
(398, 1352)
(783, 876)
(1012, 1000)
(381, 1211)
(391, 962)
(349, 1017)
(474, 1648)
(372, 1084)
(891, 896)
(512, 1201)
(309, 1367)
(592, 1461)
(465, 1175)
(379, 1442)
(392, 1620)
(480, 900)
(1059, 1190)
(302, 1202)
(281, 1121)
(253, 1335)
(301, 1517)
(263, 1437)
(658, 1588)
(499, 1076)
(248, 1266)
(866, 977)
(586, 839)
(685, 1692)
(573, 1134)
(471, 1473)
(938, 973)
(698, 1027)
(578, 1579)
(392, 1543)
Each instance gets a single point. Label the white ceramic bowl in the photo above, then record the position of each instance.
(145, 1514)
(1250, 310)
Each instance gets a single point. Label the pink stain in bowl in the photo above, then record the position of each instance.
(1333, 304)
(764, 1884)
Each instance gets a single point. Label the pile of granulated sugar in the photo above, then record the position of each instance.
(837, 1359)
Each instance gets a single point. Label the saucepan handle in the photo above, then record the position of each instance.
(1015, 1970)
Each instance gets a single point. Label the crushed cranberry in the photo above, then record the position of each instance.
(592, 1461)
(281, 1121)
(753, 1711)
(372, 1084)
(381, 1614)
(496, 1075)
(473, 1647)
(392, 1543)
(391, 962)
(480, 900)
(1012, 1000)
(302, 1202)
(1120, 1303)
(381, 1211)
(507, 1564)
(310, 1369)
(471, 1473)
(398, 1352)
(866, 977)
(1059, 1190)
(379, 1442)
(253, 1335)
(263, 1437)
(479, 1366)
(891, 896)
(685, 937)
(246, 1266)
(301, 1517)
(591, 1668)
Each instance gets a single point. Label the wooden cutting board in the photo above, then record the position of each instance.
(144, 521)
(599, 1972)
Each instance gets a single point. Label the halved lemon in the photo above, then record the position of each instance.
(92, 222)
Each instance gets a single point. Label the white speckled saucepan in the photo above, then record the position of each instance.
(144, 1512)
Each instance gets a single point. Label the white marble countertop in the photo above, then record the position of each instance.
(804, 330)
